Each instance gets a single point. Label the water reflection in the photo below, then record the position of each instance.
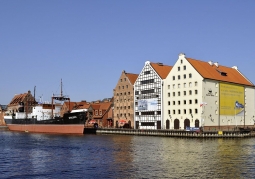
(25, 155)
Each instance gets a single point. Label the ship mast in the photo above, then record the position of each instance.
(59, 98)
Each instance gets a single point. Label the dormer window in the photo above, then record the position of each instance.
(222, 73)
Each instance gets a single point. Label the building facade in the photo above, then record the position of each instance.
(149, 96)
(208, 95)
(124, 100)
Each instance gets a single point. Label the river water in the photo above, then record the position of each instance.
(26, 155)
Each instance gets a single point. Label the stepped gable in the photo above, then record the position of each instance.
(162, 70)
(218, 72)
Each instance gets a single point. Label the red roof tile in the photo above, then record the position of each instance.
(162, 70)
(215, 73)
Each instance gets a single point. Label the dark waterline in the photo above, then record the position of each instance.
(26, 155)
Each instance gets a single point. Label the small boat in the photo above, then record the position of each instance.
(45, 118)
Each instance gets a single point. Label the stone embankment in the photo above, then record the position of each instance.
(176, 133)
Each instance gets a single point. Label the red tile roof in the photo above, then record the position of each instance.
(132, 77)
(162, 70)
(213, 72)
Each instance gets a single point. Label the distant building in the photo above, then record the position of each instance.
(124, 100)
(101, 112)
(28, 100)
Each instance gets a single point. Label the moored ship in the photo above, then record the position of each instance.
(45, 118)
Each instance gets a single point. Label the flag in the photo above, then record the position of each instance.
(203, 104)
(238, 105)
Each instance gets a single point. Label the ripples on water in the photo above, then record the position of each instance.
(25, 155)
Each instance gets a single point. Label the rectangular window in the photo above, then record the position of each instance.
(147, 72)
(184, 102)
(184, 76)
(168, 103)
(179, 68)
(190, 92)
(179, 111)
(168, 86)
(168, 94)
(184, 67)
(147, 81)
(173, 93)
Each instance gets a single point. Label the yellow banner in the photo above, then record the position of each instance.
(231, 99)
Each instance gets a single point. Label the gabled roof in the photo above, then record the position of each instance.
(219, 72)
(18, 98)
(162, 70)
(132, 77)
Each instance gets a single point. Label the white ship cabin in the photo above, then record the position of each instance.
(43, 111)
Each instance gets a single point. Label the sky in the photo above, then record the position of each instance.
(88, 43)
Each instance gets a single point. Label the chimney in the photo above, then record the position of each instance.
(216, 64)
(210, 62)
(235, 67)
(182, 55)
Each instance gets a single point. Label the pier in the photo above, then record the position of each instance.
(172, 133)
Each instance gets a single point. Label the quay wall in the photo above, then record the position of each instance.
(176, 133)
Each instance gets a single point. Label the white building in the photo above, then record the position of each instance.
(206, 94)
(148, 97)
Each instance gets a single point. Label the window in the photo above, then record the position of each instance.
(184, 67)
(147, 72)
(181, 61)
(190, 75)
(169, 112)
(173, 93)
(184, 111)
(168, 103)
(184, 102)
(196, 111)
(147, 81)
(128, 107)
(125, 79)
(96, 112)
(179, 68)
(190, 111)
(179, 93)
(173, 111)
(179, 102)
(120, 80)
(190, 101)
(196, 101)
(173, 77)
(179, 85)
(126, 86)
(100, 112)
(184, 76)
(190, 92)
(184, 85)
(184, 93)
(168, 86)
(179, 111)
(190, 84)
(173, 102)
(122, 87)
(168, 94)
(129, 93)
(195, 83)
(179, 77)
(173, 86)
(195, 91)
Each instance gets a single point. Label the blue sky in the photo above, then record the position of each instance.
(87, 43)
